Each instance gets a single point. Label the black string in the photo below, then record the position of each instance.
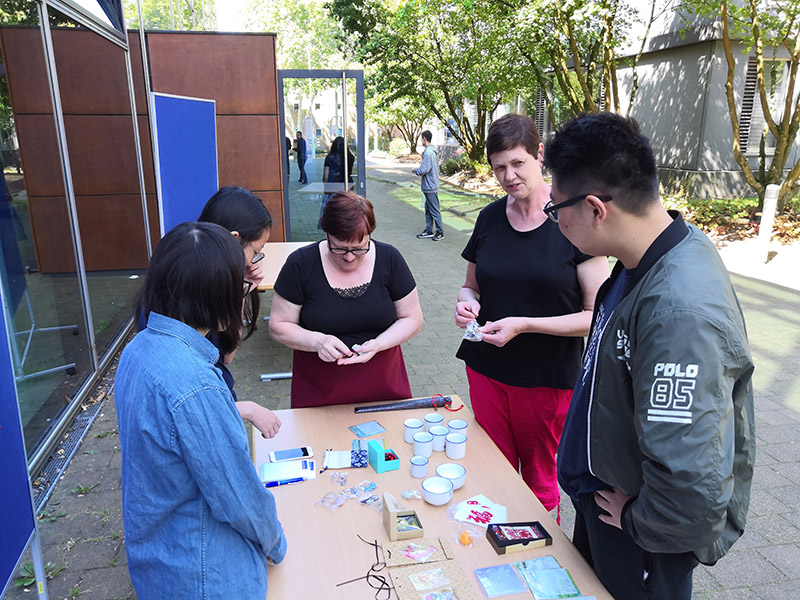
(383, 589)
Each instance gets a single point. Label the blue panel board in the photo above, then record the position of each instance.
(16, 508)
(186, 154)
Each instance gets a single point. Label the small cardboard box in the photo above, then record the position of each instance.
(390, 520)
(381, 459)
(515, 537)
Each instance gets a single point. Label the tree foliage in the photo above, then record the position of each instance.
(572, 50)
(171, 15)
(308, 38)
(407, 114)
(452, 55)
(773, 30)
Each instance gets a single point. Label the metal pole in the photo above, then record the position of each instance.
(344, 129)
(767, 221)
(69, 188)
(129, 70)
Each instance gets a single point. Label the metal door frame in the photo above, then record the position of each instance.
(361, 160)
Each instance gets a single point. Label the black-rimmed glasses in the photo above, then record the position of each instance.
(551, 210)
(257, 257)
(342, 251)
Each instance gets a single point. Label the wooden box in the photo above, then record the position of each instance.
(515, 537)
(391, 515)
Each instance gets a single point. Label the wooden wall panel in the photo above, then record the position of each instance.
(236, 70)
(112, 232)
(51, 232)
(91, 74)
(41, 160)
(26, 71)
(274, 203)
(102, 154)
(247, 153)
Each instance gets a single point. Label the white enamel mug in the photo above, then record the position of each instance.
(410, 427)
(457, 426)
(419, 467)
(423, 444)
(439, 432)
(432, 419)
(456, 446)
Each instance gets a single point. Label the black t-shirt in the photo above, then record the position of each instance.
(524, 274)
(354, 320)
(335, 164)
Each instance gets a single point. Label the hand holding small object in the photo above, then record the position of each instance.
(467, 311)
(331, 349)
(361, 353)
(499, 333)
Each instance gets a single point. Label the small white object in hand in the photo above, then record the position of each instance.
(472, 334)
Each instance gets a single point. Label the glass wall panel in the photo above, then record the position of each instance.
(95, 99)
(44, 307)
(322, 110)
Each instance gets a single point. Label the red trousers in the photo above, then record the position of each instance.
(525, 424)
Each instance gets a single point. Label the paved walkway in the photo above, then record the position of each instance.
(764, 564)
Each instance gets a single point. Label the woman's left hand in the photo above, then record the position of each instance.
(263, 419)
(362, 353)
(255, 274)
(499, 333)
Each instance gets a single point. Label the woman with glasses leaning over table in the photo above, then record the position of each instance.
(532, 293)
(344, 305)
(198, 521)
(248, 221)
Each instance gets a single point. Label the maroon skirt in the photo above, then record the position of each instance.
(319, 383)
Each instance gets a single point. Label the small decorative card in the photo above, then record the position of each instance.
(480, 511)
(501, 580)
(551, 583)
(514, 537)
(367, 429)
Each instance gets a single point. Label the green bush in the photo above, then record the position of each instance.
(454, 164)
(481, 167)
(398, 147)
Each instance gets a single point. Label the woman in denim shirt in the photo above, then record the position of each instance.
(198, 521)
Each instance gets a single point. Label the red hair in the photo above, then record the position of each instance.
(348, 216)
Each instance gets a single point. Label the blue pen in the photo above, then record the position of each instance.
(284, 482)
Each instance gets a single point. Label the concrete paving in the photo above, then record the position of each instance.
(764, 564)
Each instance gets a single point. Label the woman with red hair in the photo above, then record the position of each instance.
(344, 305)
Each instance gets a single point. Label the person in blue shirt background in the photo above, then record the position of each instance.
(198, 521)
(301, 147)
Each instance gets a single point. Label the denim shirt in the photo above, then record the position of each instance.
(198, 521)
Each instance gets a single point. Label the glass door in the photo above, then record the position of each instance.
(322, 113)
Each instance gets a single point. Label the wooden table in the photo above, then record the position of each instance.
(323, 549)
(322, 187)
(275, 255)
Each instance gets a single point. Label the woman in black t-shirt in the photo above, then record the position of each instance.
(344, 305)
(532, 292)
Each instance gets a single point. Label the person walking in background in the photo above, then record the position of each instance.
(301, 148)
(531, 291)
(429, 171)
(288, 154)
(659, 443)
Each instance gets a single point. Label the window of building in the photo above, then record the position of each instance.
(752, 124)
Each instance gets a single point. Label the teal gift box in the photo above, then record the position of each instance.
(381, 459)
